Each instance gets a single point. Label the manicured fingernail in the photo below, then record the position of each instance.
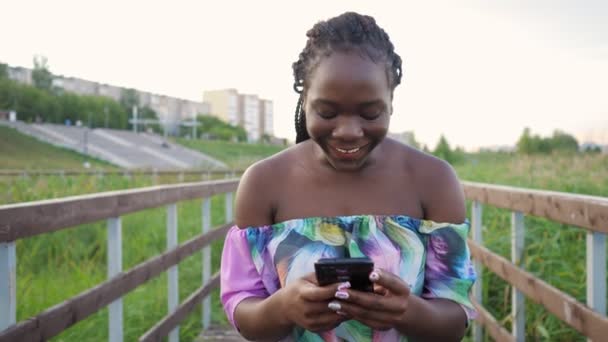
(335, 306)
(344, 285)
(341, 313)
(342, 295)
(374, 276)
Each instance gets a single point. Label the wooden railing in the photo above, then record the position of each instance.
(587, 212)
(24, 220)
(29, 219)
(205, 174)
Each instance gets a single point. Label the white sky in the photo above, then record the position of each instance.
(476, 71)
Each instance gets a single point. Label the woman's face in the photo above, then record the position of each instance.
(348, 107)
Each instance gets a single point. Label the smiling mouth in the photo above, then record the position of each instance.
(348, 151)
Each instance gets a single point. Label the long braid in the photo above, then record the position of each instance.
(349, 31)
(300, 120)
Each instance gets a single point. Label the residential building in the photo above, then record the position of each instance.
(266, 118)
(21, 75)
(255, 115)
(169, 109)
(249, 116)
(224, 104)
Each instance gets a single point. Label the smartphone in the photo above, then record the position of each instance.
(337, 270)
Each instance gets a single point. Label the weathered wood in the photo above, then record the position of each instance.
(172, 272)
(22, 220)
(476, 230)
(56, 319)
(562, 305)
(584, 211)
(518, 305)
(17, 173)
(8, 284)
(115, 309)
(495, 330)
(164, 326)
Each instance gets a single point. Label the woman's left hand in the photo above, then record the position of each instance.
(383, 309)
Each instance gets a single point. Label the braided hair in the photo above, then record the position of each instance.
(346, 32)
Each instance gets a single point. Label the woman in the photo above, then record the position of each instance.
(346, 190)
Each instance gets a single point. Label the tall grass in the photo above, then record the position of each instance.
(54, 267)
(553, 252)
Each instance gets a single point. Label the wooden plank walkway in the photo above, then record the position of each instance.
(221, 333)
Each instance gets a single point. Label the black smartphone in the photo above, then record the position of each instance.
(337, 270)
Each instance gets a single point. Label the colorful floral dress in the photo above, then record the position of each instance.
(432, 257)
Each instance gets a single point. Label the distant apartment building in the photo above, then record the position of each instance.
(224, 105)
(249, 112)
(266, 118)
(21, 75)
(170, 109)
(255, 115)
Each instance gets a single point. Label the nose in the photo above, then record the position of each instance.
(348, 128)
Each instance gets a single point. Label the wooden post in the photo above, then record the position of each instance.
(518, 306)
(596, 272)
(206, 208)
(172, 272)
(8, 284)
(115, 310)
(476, 225)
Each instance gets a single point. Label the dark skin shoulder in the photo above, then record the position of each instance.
(438, 187)
(257, 193)
(401, 180)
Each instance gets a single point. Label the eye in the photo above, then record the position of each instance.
(327, 114)
(371, 115)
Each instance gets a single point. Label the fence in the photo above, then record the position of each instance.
(25, 220)
(204, 174)
(587, 212)
(29, 219)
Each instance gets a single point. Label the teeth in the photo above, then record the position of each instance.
(348, 151)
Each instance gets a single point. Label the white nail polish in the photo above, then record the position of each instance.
(334, 306)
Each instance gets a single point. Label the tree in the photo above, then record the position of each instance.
(129, 98)
(3, 71)
(563, 141)
(524, 144)
(41, 76)
(559, 142)
(443, 150)
(213, 128)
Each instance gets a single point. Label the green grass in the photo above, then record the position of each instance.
(553, 252)
(21, 152)
(50, 272)
(54, 267)
(236, 155)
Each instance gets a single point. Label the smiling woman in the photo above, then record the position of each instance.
(344, 191)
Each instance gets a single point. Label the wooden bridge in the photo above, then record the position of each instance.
(24, 220)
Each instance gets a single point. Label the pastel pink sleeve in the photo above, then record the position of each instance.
(239, 278)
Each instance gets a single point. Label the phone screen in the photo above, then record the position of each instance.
(337, 270)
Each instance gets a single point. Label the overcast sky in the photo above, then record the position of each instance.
(476, 71)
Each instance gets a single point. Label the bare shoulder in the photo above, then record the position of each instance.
(258, 188)
(438, 186)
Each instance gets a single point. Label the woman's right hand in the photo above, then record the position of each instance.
(305, 304)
